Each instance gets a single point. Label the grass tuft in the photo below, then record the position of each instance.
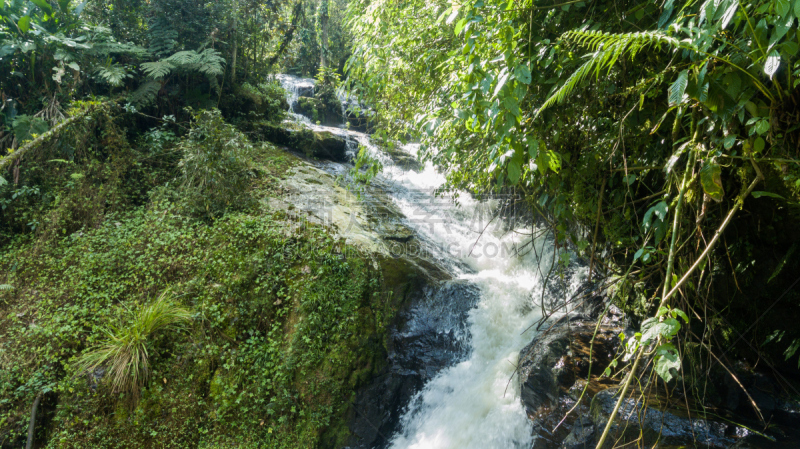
(124, 353)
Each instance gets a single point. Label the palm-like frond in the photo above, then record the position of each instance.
(113, 74)
(145, 94)
(5, 287)
(158, 69)
(608, 48)
(124, 353)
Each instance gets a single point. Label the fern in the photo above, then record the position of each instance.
(113, 74)
(158, 69)
(211, 62)
(162, 37)
(608, 48)
(145, 94)
(5, 287)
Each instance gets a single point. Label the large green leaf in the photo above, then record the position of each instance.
(43, 5)
(782, 7)
(711, 178)
(24, 24)
(677, 89)
(513, 171)
(522, 74)
(666, 360)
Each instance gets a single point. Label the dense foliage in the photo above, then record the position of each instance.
(659, 140)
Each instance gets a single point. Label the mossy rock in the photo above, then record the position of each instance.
(317, 144)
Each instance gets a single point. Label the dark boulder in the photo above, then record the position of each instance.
(429, 335)
(317, 144)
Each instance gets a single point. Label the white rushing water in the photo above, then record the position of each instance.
(472, 404)
(475, 403)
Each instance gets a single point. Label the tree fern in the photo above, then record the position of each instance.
(158, 69)
(113, 74)
(608, 48)
(145, 94)
(162, 37)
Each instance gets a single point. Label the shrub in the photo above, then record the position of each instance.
(216, 165)
(125, 352)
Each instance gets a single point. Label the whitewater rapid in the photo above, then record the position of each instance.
(475, 404)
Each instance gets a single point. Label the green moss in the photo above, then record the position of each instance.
(286, 327)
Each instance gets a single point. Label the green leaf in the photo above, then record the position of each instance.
(677, 89)
(760, 193)
(680, 313)
(64, 5)
(797, 8)
(772, 64)
(513, 171)
(43, 5)
(460, 25)
(729, 141)
(762, 126)
(666, 360)
(24, 24)
(522, 74)
(533, 148)
(758, 145)
(79, 9)
(782, 7)
(711, 178)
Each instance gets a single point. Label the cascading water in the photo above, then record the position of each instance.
(295, 88)
(471, 404)
(474, 403)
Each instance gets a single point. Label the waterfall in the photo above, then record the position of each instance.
(295, 88)
(473, 404)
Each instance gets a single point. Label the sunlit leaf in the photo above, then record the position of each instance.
(24, 24)
(772, 64)
(677, 89)
(711, 178)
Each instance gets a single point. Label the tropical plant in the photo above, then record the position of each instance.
(126, 352)
(215, 167)
(642, 144)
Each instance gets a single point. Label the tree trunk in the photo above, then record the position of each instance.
(32, 424)
(235, 47)
(323, 24)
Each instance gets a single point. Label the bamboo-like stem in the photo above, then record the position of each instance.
(737, 205)
(32, 423)
(676, 219)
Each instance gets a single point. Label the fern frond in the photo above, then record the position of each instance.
(113, 74)
(5, 287)
(608, 49)
(185, 58)
(145, 94)
(158, 69)
(211, 62)
(162, 37)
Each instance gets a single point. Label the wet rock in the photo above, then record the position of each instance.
(665, 427)
(317, 144)
(582, 435)
(553, 370)
(327, 145)
(429, 335)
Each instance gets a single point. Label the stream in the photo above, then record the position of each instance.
(472, 399)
